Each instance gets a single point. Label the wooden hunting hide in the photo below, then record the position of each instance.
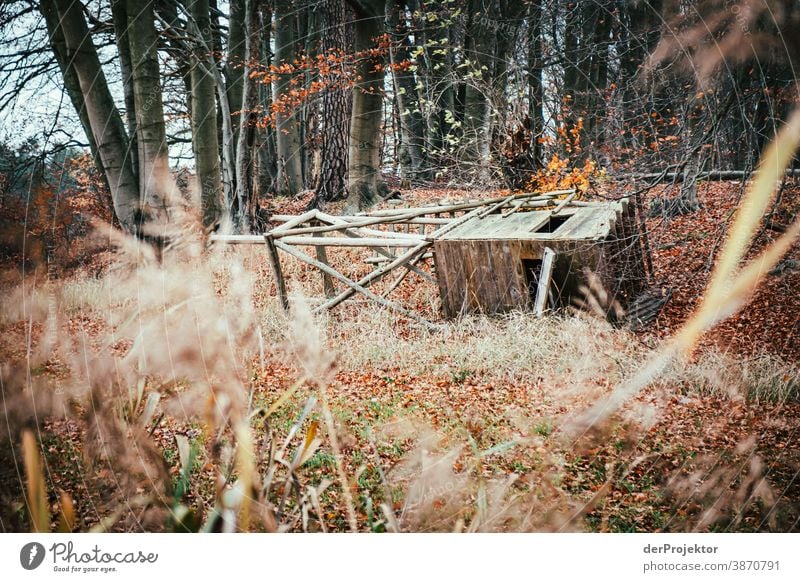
(491, 264)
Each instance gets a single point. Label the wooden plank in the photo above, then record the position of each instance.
(454, 224)
(545, 276)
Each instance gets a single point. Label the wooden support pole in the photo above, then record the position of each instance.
(350, 218)
(545, 276)
(277, 272)
(322, 257)
(365, 221)
(402, 276)
(355, 286)
(466, 205)
(516, 206)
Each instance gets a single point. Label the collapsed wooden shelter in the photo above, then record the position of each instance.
(522, 251)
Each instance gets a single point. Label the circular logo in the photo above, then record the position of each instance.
(31, 555)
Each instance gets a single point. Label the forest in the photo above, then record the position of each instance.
(399, 265)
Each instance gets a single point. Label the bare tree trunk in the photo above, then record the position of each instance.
(267, 149)
(412, 153)
(247, 121)
(290, 158)
(234, 67)
(204, 119)
(364, 178)
(336, 108)
(535, 85)
(479, 48)
(150, 129)
(65, 21)
(119, 14)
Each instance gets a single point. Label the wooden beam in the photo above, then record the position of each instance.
(366, 221)
(314, 241)
(516, 206)
(497, 206)
(465, 205)
(563, 204)
(238, 239)
(355, 286)
(380, 260)
(350, 218)
(296, 221)
(545, 276)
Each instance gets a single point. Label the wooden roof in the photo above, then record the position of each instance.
(589, 221)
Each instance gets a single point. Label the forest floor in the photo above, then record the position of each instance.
(711, 445)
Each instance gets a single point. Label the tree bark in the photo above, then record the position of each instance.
(412, 154)
(336, 107)
(479, 50)
(535, 84)
(234, 66)
(119, 15)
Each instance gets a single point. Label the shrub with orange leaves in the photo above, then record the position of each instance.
(560, 173)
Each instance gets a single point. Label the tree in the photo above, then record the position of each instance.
(412, 146)
(336, 105)
(151, 134)
(245, 205)
(365, 186)
(290, 153)
(205, 144)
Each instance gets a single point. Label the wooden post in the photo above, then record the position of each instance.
(277, 272)
(322, 257)
(545, 276)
